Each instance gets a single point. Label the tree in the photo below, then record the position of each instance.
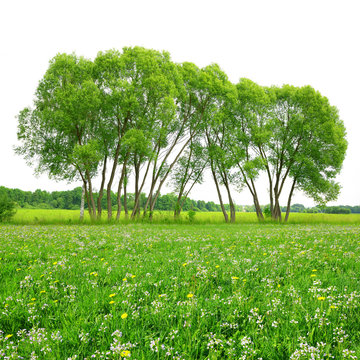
(60, 133)
(7, 208)
(291, 134)
(188, 171)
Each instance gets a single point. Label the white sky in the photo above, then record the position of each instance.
(298, 42)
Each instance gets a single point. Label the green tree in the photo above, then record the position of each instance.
(60, 133)
(7, 208)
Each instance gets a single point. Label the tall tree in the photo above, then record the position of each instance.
(60, 134)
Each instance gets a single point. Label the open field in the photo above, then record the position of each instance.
(63, 217)
(180, 292)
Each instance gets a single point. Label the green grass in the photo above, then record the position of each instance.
(62, 217)
(180, 291)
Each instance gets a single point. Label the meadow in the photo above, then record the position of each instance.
(158, 291)
(64, 217)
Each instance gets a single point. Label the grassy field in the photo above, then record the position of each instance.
(56, 216)
(177, 291)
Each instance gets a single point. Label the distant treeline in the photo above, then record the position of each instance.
(71, 199)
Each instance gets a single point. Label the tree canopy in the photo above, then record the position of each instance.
(136, 114)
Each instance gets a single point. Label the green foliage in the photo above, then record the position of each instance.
(7, 208)
(137, 108)
(267, 211)
(191, 215)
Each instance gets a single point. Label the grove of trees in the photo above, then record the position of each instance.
(135, 114)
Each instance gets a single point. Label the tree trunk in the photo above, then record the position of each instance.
(226, 217)
(289, 201)
(119, 190)
(125, 197)
(137, 195)
(91, 196)
(82, 204)
(137, 199)
(101, 191)
(231, 203)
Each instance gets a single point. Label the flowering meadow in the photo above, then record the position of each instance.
(143, 291)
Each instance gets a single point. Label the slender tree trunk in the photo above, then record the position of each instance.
(93, 207)
(125, 197)
(154, 198)
(137, 195)
(289, 201)
(82, 203)
(231, 203)
(226, 217)
(101, 191)
(137, 199)
(119, 190)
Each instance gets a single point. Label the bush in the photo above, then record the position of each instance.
(267, 211)
(7, 208)
(191, 215)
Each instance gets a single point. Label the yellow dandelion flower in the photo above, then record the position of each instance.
(112, 295)
(217, 266)
(18, 269)
(333, 307)
(33, 299)
(184, 264)
(189, 295)
(133, 276)
(312, 275)
(314, 270)
(8, 336)
(124, 315)
(125, 353)
(54, 263)
(234, 277)
(321, 298)
(42, 291)
(111, 302)
(124, 279)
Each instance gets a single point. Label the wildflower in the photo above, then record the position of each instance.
(333, 307)
(125, 353)
(112, 295)
(124, 279)
(124, 315)
(54, 263)
(321, 298)
(42, 291)
(8, 336)
(33, 299)
(234, 277)
(312, 275)
(217, 266)
(189, 295)
(111, 302)
(184, 264)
